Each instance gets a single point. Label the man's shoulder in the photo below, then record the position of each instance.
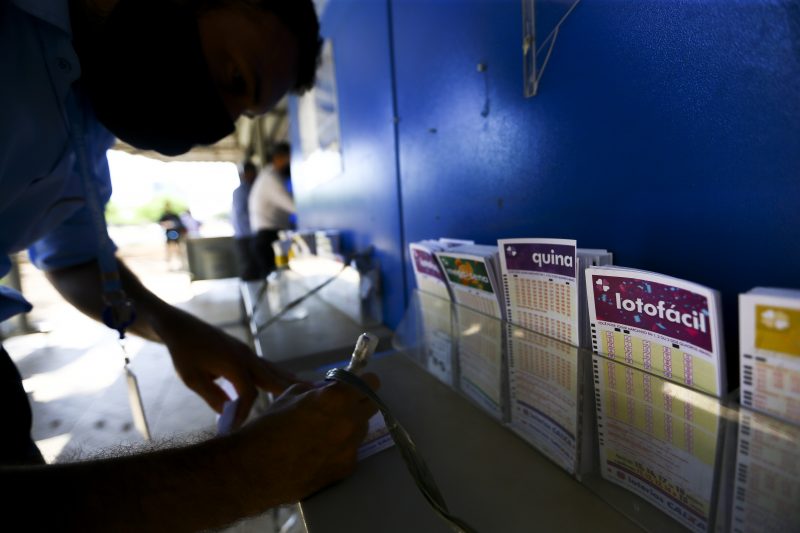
(261, 182)
(53, 12)
(267, 179)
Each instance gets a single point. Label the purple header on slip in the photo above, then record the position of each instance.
(664, 309)
(556, 259)
(425, 263)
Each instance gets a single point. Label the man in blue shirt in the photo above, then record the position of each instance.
(163, 75)
(242, 233)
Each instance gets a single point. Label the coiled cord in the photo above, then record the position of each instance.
(414, 462)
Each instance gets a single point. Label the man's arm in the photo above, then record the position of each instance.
(305, 441)
(81, 286)
(200, 352)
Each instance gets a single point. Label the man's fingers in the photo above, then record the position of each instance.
(338, 396)
(295, 390)
(370, 379)
(246, 390)
(214, 396)
(270, 377)
(365, 406)
(354, 393)
(360, 433)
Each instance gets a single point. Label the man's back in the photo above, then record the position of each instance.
(270, 203)
(43, 193)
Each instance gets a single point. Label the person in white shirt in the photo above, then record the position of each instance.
(271, 206)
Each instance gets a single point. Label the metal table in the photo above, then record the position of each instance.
(324, 337)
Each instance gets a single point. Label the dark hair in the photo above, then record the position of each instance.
(248, 165)
(281, 148)
(300, 18)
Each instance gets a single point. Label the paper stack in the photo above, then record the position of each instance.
(543, 286)
(767, 480)
(658, 440)
(472, 272)
(481, 365)
(427, 272)
(769, 342)
(435, 306)
(544, 393)
(472, 275)
(658, 323)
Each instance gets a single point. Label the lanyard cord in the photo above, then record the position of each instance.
(119, 312)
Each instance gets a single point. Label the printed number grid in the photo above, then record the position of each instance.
(544, 306)
(541, 361)
(543, 296)
(557, 404)
(552, 327)
(482, 371)
(479, 303)
(546, 381)
(674, 364)
(766, 491)
(773, 389)
(647, 404)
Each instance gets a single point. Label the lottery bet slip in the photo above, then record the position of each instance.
(769, 342)
(543, 285)
(663, 325)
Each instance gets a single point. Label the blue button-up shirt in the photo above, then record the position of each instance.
(42, 200)
(241, 215)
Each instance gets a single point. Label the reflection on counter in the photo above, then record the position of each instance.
(653, 449)
(658, 440)
(766, 495)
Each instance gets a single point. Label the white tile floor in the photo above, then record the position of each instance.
(73, 376)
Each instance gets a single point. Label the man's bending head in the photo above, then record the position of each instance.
(171, 74)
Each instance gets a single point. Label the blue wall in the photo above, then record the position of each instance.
(665, 131)
(363, 201)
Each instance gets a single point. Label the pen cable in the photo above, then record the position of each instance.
(408, 450)
(294, 303)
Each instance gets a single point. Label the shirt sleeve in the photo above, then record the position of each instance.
(11, 302)
(282, 198)
(76, 240)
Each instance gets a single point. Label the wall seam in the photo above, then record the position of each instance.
(396, 129)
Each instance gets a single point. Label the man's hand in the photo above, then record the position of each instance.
(307, 439)
(202, 353)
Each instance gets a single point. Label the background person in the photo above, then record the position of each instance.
(191, 224)
(174, 231)
(240, 215)
(271, 206)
